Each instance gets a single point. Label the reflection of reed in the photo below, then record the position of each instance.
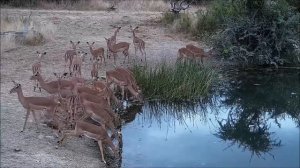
(169, 113)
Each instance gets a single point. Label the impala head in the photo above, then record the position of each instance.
(90, 45)
(107, 41)
(60, 76)
(118, 29)
(40, 55)
(37, 76)
(74, 46)
(16, 88)
(133, 29)
(82, 55)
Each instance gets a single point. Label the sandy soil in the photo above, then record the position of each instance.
(33, 149)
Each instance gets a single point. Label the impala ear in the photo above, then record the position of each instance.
(93, 43)
(14, 82)
(78, 42)
(45, 53)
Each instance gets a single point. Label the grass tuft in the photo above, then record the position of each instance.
(179, 82)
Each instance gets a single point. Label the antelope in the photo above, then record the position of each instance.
(97, 133)
(98, 53)
(119, 47)
(34, 103)
(105, 92)
(69, 55)
(129, 75)
(81, 89)
(36, 68)
(113, 40)
(101, 115)
(64, 87)
(119, 79)
(94, 71)
(77, 63)
(138, 43)
(198, 52)
(184, 53)
(101, 101)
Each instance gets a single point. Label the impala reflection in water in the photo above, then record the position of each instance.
(252, 121)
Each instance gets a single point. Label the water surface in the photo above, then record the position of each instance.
(250, 120)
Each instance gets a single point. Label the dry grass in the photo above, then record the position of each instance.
(13, 31)
(127, 5)
(80, 5)
(143, 5)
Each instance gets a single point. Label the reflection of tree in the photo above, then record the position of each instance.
(248, 132)
(256, 98)
(275, 93)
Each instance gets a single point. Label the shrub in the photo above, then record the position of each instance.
(175, 83)
(249, 32)
(270, 38)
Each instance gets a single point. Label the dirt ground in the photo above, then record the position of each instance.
(39, 149)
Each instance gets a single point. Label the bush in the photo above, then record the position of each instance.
(270, 38)
(175, 83)
(250, 32)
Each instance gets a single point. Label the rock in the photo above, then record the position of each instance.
(17, 150)
(41, 136)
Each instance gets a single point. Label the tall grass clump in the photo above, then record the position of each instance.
(179, 82)
(182, 22)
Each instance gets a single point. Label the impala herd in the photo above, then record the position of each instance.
(73, 99)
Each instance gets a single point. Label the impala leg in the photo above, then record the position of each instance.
(145, 55)
(35, 120)
(101, 150)
(114, 58)
(26, 118)
(141, 54)
(122, 92)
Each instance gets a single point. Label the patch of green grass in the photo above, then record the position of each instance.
(168, 18)
(179, 82)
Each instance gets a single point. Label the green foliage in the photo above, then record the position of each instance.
(181, 22)
(174, 83)
(168, 18)
(271, 38)
(249, 32)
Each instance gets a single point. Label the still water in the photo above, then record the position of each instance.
(252, 120)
